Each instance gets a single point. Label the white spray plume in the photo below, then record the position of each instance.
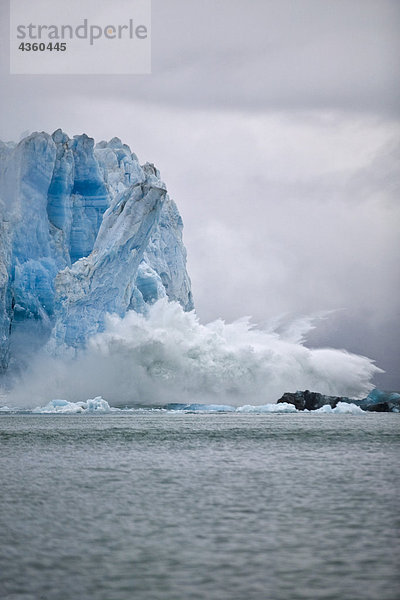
(169, 356)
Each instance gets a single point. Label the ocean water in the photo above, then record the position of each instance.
(153, 505)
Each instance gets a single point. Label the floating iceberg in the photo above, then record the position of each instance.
(380, 401)
(341, 408)
(95, 405)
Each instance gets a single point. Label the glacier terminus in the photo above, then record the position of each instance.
(85, 230)
(95, 298)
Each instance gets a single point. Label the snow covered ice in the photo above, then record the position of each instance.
(95, 298)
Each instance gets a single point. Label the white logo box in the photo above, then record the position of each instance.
(80, 37)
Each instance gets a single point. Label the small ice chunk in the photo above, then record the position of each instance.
(341, 408)
(58, 406)
(283, 407)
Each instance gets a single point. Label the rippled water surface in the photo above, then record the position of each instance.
(175, 506)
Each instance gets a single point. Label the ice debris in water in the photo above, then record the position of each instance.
(341, 408)
(284, 407)
(179, 407)
(92, 405)
(100, 406)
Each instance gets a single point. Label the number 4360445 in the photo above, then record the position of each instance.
(41, 47)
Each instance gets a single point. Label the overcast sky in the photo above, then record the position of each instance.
(276, 127)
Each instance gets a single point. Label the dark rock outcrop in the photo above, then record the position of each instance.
(376, 401)
(310, 400)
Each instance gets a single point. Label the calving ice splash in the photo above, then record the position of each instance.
(95, 298)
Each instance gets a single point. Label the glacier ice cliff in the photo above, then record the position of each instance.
(95, 298)
(85, 230)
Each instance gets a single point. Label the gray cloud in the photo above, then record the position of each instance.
(257, 55)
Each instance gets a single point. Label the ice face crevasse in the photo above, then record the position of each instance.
(84, 230)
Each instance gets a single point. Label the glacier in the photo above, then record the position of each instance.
(96, 300)
(85, 230)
